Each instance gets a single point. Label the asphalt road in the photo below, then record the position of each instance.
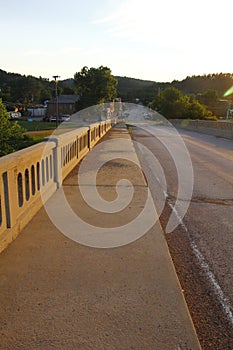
(202, 243)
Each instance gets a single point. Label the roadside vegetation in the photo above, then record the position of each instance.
(172, 104)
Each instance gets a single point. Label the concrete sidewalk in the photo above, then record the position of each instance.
(59, 294)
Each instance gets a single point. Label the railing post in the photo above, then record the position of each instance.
(11, 196)
(7, 209)
(57, 161)
(89, 138)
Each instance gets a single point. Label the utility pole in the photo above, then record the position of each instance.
(56, 82)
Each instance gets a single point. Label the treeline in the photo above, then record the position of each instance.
(195, 84)
(24, 89)
(16, 89)
(28, 90)
(205, 94)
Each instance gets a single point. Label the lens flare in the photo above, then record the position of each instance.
(116, 151)
(228, 92)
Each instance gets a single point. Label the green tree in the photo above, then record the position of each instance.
(208, 97)
(67, 90)
(95, 85)
(171, 103)
(26, 89)
(11, 133)
(198, 111)
(46, 94)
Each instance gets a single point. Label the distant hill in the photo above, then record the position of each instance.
(196, 84)
(125, 84)
(130, 88)
(68, 82)
(24, 89)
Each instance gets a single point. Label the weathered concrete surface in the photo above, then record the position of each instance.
(58, 294)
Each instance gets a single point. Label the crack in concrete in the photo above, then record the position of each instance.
(203, 200)
(217, 201)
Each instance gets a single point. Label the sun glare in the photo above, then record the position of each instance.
(228, 92)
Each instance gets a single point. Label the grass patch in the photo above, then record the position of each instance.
(38, 135)
(40, 125)
(36, 125)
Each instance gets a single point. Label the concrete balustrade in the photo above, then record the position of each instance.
(39, 170)
(24, 175)
(216, 128)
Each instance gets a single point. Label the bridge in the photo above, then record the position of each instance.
(59, 294)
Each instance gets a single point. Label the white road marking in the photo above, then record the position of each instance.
(224, 301)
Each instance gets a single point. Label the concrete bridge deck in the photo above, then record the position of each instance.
(56, 293)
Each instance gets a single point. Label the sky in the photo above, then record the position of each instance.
(153, 40)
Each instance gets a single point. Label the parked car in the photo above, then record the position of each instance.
(52, 118)
(14, 115)
(65, 118)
